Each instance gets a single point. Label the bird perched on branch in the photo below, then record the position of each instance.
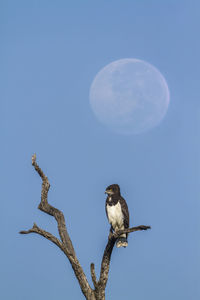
(117, 213)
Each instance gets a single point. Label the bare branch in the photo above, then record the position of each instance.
(65, 244)
(93, 275)
(45, 234)
(45, 207)
(132, 229)
(105, 264)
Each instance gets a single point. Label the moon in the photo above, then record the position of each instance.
(130, 96)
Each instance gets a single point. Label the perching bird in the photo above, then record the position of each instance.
(117, 213)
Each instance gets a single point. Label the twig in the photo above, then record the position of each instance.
(93, 275)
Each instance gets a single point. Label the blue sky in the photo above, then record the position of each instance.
(50, 53)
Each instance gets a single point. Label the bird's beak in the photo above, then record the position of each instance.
(108, 192)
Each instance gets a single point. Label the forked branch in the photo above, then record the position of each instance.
(65, 243)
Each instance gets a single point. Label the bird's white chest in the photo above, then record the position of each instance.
(115, 216)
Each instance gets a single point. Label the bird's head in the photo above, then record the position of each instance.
(113, 189)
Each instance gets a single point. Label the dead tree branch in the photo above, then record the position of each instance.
(65, 243)
(47, 235)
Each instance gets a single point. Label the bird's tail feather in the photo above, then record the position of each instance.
(122, 242)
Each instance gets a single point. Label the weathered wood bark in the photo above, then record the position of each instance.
(65, 244)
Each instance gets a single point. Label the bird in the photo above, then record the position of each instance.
(117, 213)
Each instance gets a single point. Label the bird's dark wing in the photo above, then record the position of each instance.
(125, 212)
